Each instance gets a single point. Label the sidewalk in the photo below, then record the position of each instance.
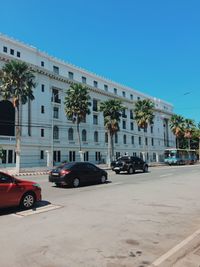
(39, 170)
(45, 170)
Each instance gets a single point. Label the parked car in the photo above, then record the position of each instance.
(17, 192)
(76, 173)
(129, 164)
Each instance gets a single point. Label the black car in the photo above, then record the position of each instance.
(76, 173)
(129, 164)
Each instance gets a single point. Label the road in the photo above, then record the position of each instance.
(131, 221)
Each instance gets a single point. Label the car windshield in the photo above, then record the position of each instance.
(65, 166)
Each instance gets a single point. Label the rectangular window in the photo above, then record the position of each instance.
(56, 69)
(57, 156)
(131, 114)
(84, 80)
(140, 140)
(18, 54)
(138, 98)
(95, 105)
(42, 109)
(95, 84)
(124, 94)
(124, 124)
(97, 156)
(55, 96)
(72, 155)
(4, 156)
(42, 132)
(42, 87)
(95, 119)
(41, 154)
(151, 129)
(131, 96)
(152, 141)
(138, 128)
(115, 91)
(42, 63)
(56, 112)
(5, 49)
(12, 51)
(146, 141)
(86, 156)
(71, 75)
(132, 140)
(132, 126)
(106, 87)
(10, 156)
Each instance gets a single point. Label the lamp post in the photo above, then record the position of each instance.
(52, 129)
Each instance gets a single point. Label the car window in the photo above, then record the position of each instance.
(5, 179)
(91, 167)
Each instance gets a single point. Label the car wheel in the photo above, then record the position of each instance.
(130, 170)
(76, 182)
(28, 200)
(145, 168)
(57, 184)
(117, 172)
(103, 179)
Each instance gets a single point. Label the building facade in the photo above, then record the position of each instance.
(45, 129)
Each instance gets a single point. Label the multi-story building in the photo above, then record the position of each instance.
(45, 127)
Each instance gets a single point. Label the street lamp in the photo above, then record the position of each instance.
(54, 95)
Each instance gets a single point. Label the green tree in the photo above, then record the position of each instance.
(177, 126)
(112, 110)
(77, 102)
(189, 129)
(144, 114)
(17, 83)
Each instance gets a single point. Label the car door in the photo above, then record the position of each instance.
(9, 191)
(137, 164)
(93, 173)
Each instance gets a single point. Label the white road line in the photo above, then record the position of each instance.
(175, 249)
(165, 175)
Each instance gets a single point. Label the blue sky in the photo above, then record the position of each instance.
(150, 45)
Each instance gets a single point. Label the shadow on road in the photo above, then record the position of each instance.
(13, 210)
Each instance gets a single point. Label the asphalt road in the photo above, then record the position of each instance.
(131, 221)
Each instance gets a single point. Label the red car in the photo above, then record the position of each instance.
(16, 192)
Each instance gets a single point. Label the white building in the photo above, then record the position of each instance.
(46, 112)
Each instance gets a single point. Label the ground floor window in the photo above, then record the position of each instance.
(9, 156)
(72, 155)
(98, 156)
(86, 156)
(57, 156)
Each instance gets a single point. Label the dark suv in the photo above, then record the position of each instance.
(129, 164)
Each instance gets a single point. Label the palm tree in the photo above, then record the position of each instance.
(17, 82)
(77, 107)
(189, 128)
(144, 114)
(177, 127)
(112, 110)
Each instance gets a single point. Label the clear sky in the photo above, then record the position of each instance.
(152, 46)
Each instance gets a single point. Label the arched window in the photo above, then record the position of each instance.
(70, 134)
(96, 137)
(55, 132)
(84, 135)
(124, 137)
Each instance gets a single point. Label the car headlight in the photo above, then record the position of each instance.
(37, 185)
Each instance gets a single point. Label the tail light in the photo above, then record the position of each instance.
(64, 172)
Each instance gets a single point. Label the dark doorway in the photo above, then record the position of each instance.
(7, 118)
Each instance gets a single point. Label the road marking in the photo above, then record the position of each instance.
(175, 249)
(165, 175)
(37, 210)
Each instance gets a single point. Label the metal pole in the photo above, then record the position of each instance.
(52, 125)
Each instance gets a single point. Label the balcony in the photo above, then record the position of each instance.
(56, 100)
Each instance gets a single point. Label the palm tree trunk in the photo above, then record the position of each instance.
(18, 138)
(79, 141)
(109, 150)
(112, 147)
(188, 143)
(177, 142)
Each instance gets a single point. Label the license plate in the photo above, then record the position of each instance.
(55, 174)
